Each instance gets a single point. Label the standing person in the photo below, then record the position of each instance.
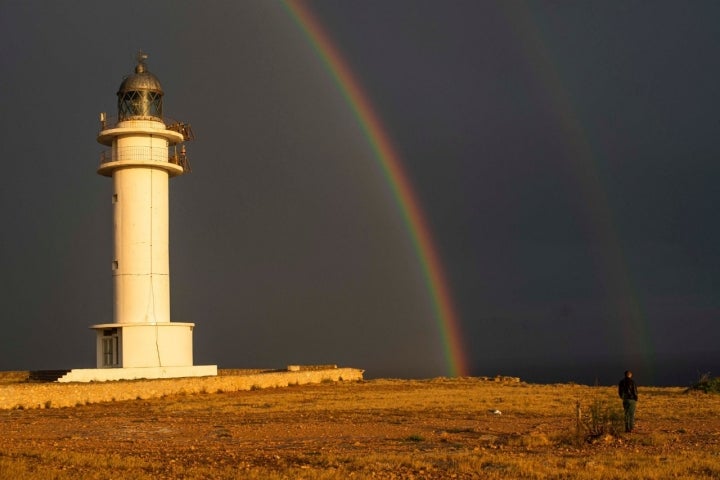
(627, 390)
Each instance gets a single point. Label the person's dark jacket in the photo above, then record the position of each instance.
(627, 389)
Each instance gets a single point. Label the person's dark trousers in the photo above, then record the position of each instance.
(629, 407)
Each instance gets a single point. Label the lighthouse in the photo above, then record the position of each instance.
(145, 151)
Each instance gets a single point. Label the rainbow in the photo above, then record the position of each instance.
(627, 323)
(391, 166)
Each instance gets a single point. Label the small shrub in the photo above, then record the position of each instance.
(415, 438)
(707, 384)
(603, 419)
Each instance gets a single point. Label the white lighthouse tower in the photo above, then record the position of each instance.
(142, 341)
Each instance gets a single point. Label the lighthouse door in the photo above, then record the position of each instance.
(110, 347)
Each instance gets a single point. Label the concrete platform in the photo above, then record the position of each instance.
(135, 373)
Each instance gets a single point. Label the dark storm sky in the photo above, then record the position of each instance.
(566, 155)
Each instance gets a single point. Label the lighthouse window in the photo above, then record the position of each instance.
(155, 104)
(128, 105)
(139, 104)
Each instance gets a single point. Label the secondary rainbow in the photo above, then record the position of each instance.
(390, 163)
(627, 322)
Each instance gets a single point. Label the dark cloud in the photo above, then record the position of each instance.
(565, 156)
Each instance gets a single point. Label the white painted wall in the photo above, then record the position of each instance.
(141, 268)
(161, 345)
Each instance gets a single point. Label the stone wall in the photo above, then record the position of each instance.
(54, 395)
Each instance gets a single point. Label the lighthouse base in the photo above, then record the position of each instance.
(107, 374)
(131, 345)
(131, 351)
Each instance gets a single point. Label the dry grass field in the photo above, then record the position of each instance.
(381, 429)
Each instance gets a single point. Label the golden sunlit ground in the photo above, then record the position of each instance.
(432, 429)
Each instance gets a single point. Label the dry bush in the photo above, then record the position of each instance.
(706, 383)
(603, 418)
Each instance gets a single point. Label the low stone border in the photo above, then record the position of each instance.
(54, 395)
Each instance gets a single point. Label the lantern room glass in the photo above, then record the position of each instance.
(139, 104)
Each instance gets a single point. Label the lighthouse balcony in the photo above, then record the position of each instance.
(175, 161)
(165, 123)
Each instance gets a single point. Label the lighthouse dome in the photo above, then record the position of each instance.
(140, 95)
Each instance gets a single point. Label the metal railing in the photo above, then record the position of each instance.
(145, 154)
(107, 121)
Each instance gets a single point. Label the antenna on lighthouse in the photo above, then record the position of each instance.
(141, 57)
